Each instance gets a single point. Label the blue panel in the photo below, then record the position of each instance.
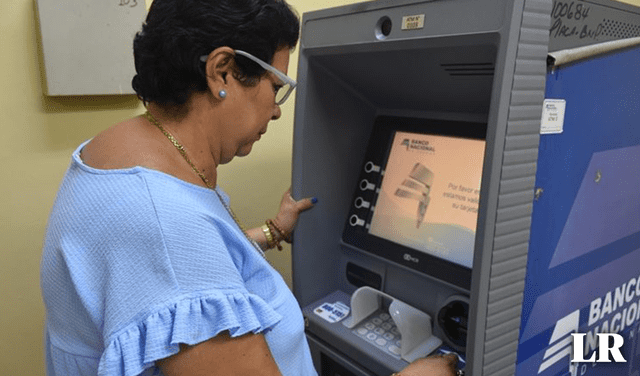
(583, 270)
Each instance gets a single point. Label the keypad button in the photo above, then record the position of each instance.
(381, 342)
(381, 330)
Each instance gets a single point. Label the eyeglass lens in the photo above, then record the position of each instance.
(282, 94)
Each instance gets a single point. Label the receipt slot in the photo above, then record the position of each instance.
(425, 128)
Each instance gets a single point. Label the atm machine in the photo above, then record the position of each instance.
(477, 164)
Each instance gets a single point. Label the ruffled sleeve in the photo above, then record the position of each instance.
(137, 262)
(190, 321)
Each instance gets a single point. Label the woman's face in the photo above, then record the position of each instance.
(258, 106)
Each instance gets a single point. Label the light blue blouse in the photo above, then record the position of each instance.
(136, 262)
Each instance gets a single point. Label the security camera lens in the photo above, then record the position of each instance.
(386, 27)
(383, 28)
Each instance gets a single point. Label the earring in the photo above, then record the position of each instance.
(222, 94)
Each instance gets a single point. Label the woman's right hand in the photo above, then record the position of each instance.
(435, 365)
(290, 210)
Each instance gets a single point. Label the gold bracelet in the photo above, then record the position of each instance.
(276, 235)
(268, 235)
(286, 237)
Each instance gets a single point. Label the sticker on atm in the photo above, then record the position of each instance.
(332, 312)
(413, 22)
(553, 111)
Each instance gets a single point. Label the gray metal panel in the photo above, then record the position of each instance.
(343, 63)
(422, 75)
(505, 315)
(524, 141)
(505, 304)
(510, 264)
(513, 226)
(599, 21)
(517, 184)
(357, 22)
(523, 170)
(319, 348)
(332, 119)
(502, 265)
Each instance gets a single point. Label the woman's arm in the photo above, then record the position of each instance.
(250, 355)
(222, 355)
(258, 235)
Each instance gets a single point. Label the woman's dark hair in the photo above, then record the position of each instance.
(177, 33)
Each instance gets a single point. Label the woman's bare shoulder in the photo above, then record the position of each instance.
(123, 145)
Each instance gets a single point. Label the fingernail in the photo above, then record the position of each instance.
(314, 200)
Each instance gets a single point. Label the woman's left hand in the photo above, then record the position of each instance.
(434, 365)
(290, 210)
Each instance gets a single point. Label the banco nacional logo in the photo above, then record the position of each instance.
(561, 341)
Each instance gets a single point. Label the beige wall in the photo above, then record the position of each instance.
(37, 135)
(632, 2)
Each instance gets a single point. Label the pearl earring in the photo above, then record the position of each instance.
(222, 94)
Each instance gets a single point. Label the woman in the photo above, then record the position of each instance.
(146, 271)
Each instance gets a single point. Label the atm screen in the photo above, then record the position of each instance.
(417, 199)
(429, 195)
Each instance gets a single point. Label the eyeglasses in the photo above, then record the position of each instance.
(288, 84)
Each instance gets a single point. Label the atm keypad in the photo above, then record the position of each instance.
(380, 330)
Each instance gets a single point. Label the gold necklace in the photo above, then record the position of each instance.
(183, 152)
